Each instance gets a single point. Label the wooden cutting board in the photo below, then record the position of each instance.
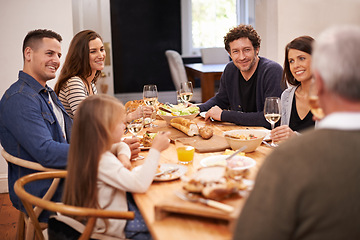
(173, 204)
(215, 144)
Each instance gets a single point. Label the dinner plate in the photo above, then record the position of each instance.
(171, 176)
(220, 160)
(143, 148)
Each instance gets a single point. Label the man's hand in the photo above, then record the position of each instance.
(214, 113)
(134, 144)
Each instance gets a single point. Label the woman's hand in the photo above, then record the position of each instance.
(281, 133)
(141, 111)
(161, 141)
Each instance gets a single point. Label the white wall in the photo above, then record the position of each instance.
(95, 15)
(17, 18)
(280, 21)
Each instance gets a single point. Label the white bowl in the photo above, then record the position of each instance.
(168, 118)
(251, 144)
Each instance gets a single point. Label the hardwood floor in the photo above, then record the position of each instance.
(8, 218)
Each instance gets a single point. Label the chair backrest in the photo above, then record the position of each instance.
(92, 214)
(214, 56)
(25, 227)
(177, 68)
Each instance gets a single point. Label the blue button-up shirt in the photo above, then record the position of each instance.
(30, 130)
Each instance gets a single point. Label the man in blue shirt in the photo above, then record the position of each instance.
(33, 123)
(245, 82)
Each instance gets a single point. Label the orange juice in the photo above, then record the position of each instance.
(185, 154)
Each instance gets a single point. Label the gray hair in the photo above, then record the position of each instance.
(336, 57)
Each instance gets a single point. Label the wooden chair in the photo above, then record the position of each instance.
(92, 214)
(25, 229)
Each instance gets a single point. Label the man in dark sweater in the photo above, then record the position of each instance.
(308, 188)
(246, 81)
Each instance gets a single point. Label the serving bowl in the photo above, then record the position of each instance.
(252, 138)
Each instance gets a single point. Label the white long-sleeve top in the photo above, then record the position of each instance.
(114, 180)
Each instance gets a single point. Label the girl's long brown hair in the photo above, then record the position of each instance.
(77, 61)
(94, 122)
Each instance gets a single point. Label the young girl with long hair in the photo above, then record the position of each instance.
(96, 178)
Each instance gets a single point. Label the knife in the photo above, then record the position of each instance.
(190, 197)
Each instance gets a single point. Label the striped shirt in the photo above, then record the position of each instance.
(73, 92)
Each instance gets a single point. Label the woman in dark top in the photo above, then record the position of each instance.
(295, 110)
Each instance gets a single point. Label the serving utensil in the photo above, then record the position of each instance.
(172, 170)
(167, 110)
(267, 144)
(237, 151)
(193, 198)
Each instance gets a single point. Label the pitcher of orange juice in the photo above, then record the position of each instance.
(185, 152)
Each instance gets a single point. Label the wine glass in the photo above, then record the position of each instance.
(135, 123)
(313, 99)
(186, 91)
(272, 112)
(150, 97)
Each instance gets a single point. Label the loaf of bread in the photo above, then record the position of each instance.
(185, 125)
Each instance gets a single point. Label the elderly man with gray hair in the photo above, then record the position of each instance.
(308, 188)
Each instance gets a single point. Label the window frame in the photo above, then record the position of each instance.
(246, 15)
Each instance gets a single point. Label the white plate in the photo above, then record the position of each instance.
(220, 160)
(171, 176)
(143, 148)
(202, 114)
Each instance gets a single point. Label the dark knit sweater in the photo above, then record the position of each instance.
(268, 85)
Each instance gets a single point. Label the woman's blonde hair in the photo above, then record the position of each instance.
(94, 122)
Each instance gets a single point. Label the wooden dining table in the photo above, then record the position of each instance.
(177, 225)
(208, 74)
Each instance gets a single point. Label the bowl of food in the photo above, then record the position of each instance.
(167, 113)
(251, 138)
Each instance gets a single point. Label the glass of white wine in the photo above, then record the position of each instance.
(150, 97)
(135, 124)
(272, 112)
(313, 98)
(186, 91)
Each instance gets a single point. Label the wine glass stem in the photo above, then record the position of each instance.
(272, 127)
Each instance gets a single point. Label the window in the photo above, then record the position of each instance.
(206, 22)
